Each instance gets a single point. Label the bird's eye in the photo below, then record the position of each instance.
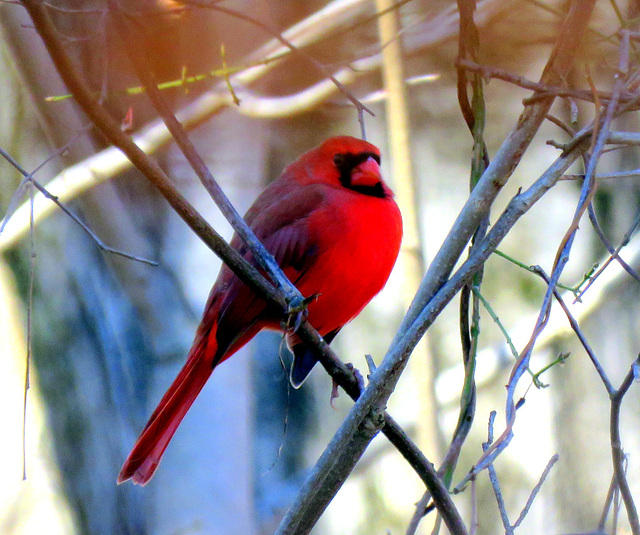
(339, 160)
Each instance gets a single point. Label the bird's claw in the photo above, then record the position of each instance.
(335, 393)
(298, 312)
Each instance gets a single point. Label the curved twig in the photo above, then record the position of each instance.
(617, 452)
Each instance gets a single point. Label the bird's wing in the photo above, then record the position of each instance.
(282, 225)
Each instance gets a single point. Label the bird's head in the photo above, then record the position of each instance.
(343, 161)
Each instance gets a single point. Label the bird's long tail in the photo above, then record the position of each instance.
(154, 439)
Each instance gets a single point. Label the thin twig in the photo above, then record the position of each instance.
(614, 252)
(514, 352)
(535, 490)
(495, 364)
(214, 6)
(474, 509)
(542, 90)
(578, 331)
(27, 371)
(631, 173)
(609, 500)
(617, 499)
(532, 269)
(421, 509)
(560, 124)
(617, 452)
(493, 478)
(29, 179)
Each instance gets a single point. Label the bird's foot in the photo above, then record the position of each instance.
(298, 313)
(335, 393)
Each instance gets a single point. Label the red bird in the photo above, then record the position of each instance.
(331, 223)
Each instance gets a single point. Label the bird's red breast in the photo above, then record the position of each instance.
(333, 226)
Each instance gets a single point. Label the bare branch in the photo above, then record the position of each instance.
(535, 490)
(609, 500)
(541, 89)
(30, 180)
(617, 452)
(27, 371)
(576, 328)
(493, 478)
(614, 252)
(135, 51)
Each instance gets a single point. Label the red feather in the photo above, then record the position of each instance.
(331, 223)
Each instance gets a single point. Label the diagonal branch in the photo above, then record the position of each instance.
(578, 331)
(136, 56)
(503, 164)
(28, 178)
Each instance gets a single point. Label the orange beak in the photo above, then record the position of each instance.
(366, 174)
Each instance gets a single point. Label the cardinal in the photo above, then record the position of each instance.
(333, 226)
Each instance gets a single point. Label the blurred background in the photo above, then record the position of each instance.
(108, 334)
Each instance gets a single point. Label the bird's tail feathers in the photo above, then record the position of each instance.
(154, 439)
